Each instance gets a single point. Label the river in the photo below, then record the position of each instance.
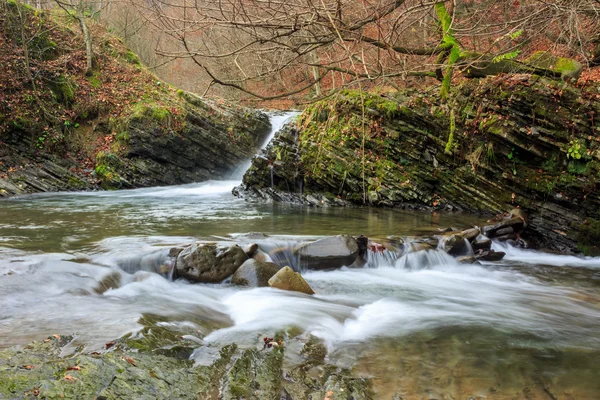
(422, 326)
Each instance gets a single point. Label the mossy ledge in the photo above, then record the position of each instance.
(159, 366)
(506, 142)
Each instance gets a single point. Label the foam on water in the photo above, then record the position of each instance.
(534, 257)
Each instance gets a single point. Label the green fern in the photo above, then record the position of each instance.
(506, 56)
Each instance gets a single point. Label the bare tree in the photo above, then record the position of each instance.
(244, 43)
(80, 7)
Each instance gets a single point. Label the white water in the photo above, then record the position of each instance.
(278, 120)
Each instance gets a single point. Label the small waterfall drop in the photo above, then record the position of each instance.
(278, 120)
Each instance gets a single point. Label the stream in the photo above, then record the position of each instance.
(421, 325)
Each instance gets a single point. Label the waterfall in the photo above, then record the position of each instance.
(278, 120)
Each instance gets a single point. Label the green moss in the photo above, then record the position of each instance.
(589, 237)
(148, 112)
(63, 89)
(95, 81)
(107, 165)
(161, 113)
(123, 137)
(449, 144)
(132, 58)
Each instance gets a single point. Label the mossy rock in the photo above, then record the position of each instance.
(63, 90)
(566, 67)
(589, 238)
(132, 58)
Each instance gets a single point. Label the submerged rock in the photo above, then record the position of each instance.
(329, 253)
(110, 281)
(287, 279)
(467, 260)
(254, 273)
(209, 263)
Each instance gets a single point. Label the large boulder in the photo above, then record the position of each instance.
(454, 244)
(254, 273)
(329, 253)
(209, 263)
(287, 279)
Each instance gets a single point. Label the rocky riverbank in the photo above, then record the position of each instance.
(63, 128)
(159, 363)
(499, 143)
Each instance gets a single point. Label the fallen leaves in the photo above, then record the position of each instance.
(69, 378)
(129, 360)
(28, 366)
(110, 344)
(74, 368)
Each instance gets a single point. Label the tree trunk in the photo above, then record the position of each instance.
(87, 39)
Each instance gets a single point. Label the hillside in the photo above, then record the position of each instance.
(117, 126)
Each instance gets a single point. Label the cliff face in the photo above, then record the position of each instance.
(65, 128)
(500, 143)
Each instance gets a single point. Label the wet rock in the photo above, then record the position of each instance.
(519, 213)
(490, 255)
(141, 276)
(174, 252)
(287, 279)
(254, 273)
(363, 244)
(419, 246)
(471, 234)
(253, 236)
(504, 238)
(110, 281)
(505, 231)
(260, 256)
(329, 253)
(466, 260)
(483, 243)
(209, 263)
(516, 224)
(454, 244)
(250, 250)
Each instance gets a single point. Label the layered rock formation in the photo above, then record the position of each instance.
(499, 143)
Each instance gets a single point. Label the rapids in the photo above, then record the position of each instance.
(418, 323)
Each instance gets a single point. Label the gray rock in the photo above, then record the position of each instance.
(490, 255)
(287, 279)
(491, 231)
(250, 250)
(329, 253)
(254, 273)
(467, 260)
(454, 244)
(471, 234)
(483, 243)
(209, 263)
